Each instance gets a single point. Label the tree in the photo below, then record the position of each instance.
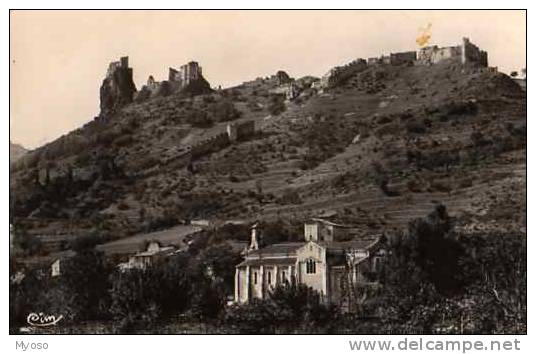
(136, 298)
(288, 308)
(24, 243)
(276, 105)
(436, 280)
(83, 283)
(514, 74)
(496, 269)
(223, 111)
(23, 297)
(421, 270)
(221, 260)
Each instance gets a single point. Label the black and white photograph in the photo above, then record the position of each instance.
(267, 172)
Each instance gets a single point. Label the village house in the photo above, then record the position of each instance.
(323, 261)
(59, 262)
(152, 255)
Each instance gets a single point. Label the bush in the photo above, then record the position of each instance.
(198, 118)
(83, 284)
(481, 279)
(24, 243)
(416, 127)
(290, 197)
(224, 111)
(276, 105)
(289, 308)
(136, 297)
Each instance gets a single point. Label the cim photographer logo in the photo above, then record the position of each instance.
(42, 320)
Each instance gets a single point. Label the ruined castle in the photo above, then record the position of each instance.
(118, 88)
(466, 52)
(463, 53)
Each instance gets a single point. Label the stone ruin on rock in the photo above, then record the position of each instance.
(117, 88)
(339, 74)
(189, 79)
(285, 85)
(464, 53)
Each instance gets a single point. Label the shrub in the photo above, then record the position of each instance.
(289, 308)
(416, 127)
(198, 118)
(224, 111)
(276, 105)
(290, 197)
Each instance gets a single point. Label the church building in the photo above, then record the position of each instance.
(324, 261)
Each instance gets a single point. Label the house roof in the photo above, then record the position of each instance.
(328, 222)
(153, 253)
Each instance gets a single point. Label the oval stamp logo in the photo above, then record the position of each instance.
(42, 320)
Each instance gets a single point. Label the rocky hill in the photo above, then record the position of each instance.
(377, 149)
(16, 151)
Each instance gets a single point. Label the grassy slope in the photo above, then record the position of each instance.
(308, 150)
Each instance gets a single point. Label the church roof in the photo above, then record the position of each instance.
(278, 248)
(365, 243)
(268, 262)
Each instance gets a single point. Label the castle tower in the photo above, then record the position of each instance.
(118, 88)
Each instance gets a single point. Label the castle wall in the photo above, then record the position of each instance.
(467, 52)
(341, 73)
(472, 54)
(434, 54)
(403, 58)
(212, 144)
(240, 131)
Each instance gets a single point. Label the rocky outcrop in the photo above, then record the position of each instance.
(197, 87)
(282, 77)
(117, 88)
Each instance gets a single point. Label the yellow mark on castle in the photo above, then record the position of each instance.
(425, 35)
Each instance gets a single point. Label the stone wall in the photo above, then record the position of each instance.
(465, 53)
(434, 54)
(470, 53)
(339, 74)
(213, 144)
(188, 78)
(403, 58)
(240, 131)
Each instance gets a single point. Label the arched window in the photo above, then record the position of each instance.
(310, 266)
(269, 277)
(255, 278)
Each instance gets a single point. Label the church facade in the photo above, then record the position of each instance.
(331, 267)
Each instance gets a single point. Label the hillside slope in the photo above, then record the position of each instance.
(380, 149)
(16, 151)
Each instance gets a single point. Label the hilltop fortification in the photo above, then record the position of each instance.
(117, 88)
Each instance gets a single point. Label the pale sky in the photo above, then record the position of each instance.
(59, 58)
